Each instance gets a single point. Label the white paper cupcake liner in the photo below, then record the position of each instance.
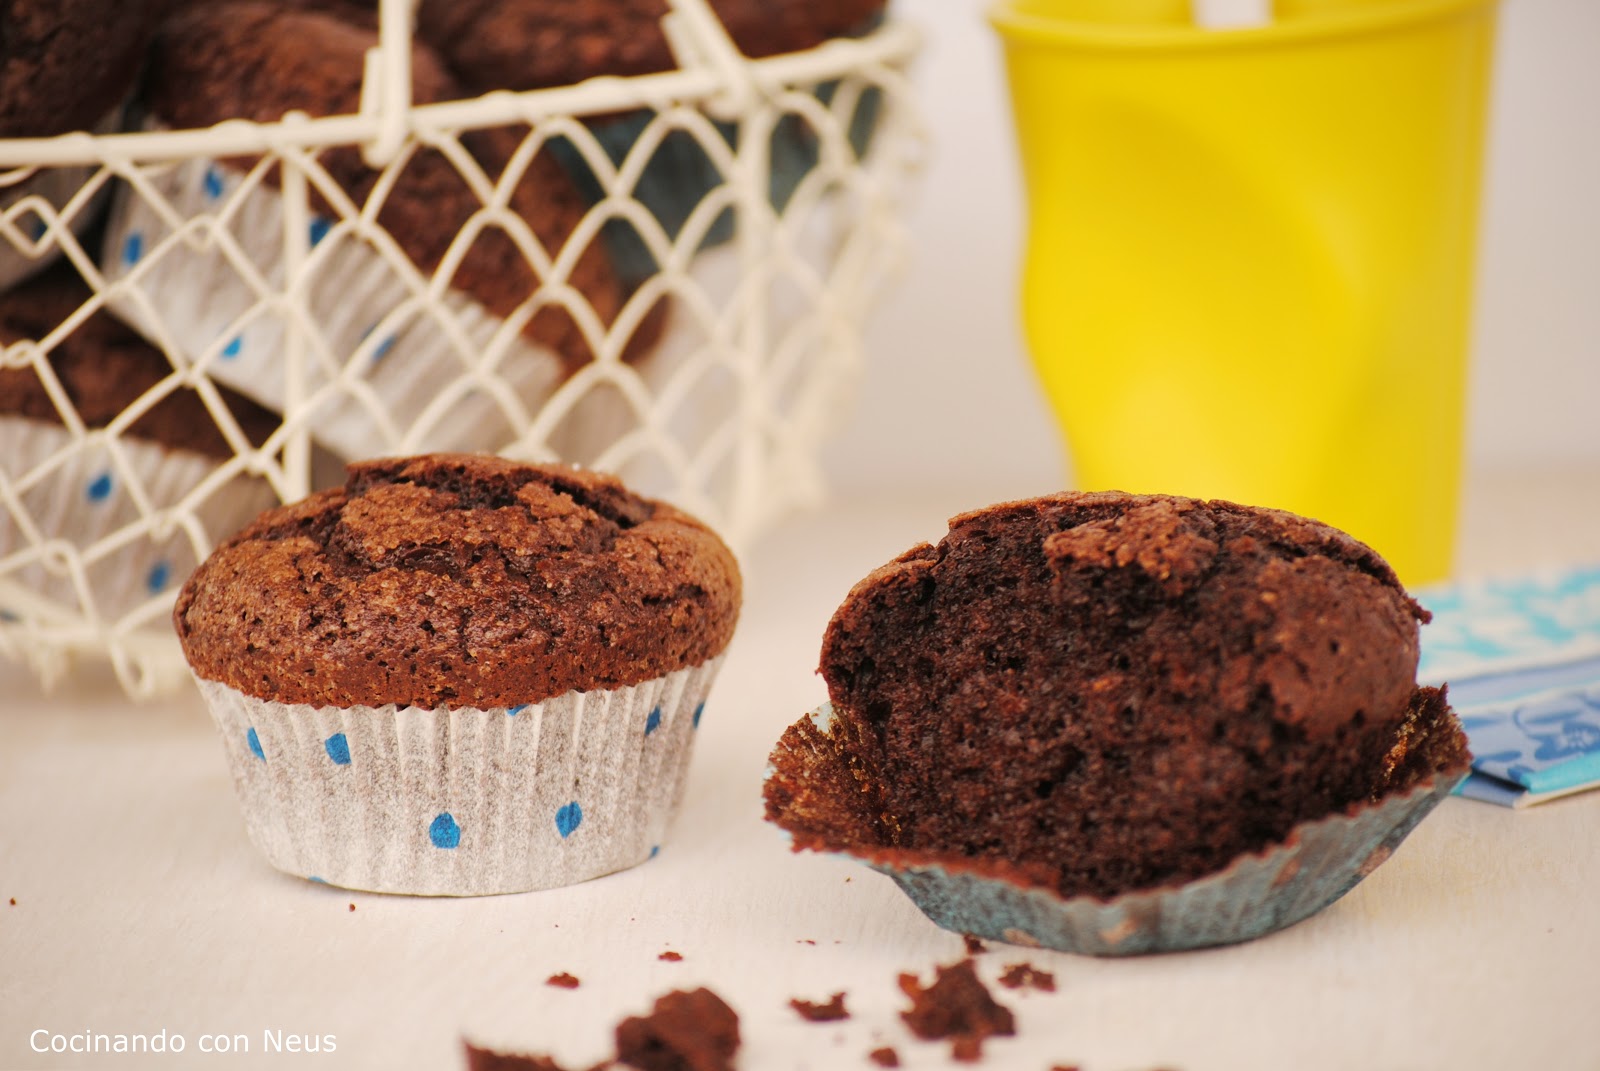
(409, 363)
(86, 499)
(462, 801)
(57, 186)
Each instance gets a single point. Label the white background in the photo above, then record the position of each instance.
(948, 398)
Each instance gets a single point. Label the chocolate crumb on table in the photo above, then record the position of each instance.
(671, 957)
(563, 981)
(13, 901)
(1018, 975)
(688, 1030)
(884, 1057)
(975, 947)
(352, 907)
(489, 1060)
(1065, 1067)
(831, 1011)
(956, 1006)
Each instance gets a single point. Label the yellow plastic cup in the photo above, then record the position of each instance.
(1249, 259)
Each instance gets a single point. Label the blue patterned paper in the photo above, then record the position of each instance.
(1522, 658)
(1492, 627)
(1546, 743)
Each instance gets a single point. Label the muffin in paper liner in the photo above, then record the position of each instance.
(36, 246)
(389, 376)
(463, 801)
(86, 498)
(818, 791)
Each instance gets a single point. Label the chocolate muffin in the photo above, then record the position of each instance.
(97, 490)
(531, 44)
(261, 60)
(514, 658)
(103, 366)
(1097, 693)
(535, 44)
(66, 64)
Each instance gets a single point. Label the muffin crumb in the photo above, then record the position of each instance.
(1018, 975)
(669, 956)
(688, 1030)
(956, 1006)
(489, 1060)
(884, 1057)
(563, 981)
(830, 1011)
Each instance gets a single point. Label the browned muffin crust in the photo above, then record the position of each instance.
(531, 44)
(65, 64)
(1107, 692)
(260, 60)
(103, 366)
(458, 580)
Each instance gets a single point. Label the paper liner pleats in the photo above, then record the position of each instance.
(382, 372)
(463, 801)
(86, 518)
(1254, 895)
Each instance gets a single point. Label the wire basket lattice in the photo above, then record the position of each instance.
(751, 206)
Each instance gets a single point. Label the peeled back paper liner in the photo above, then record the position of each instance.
(463, 801)
(85, 501)
(1256, 894)
(409, 364)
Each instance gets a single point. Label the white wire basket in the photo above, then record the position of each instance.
(802, 164)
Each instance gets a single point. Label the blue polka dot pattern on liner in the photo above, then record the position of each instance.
(255, 744)
(512, 712)
(568, 819)
(385, 344)
(234, 347)
(320, 226)
(444, 832)
(99, 488)
(338, 749)
(159, 577)
(655, 850)
(316, 880)
(653, 722)
(700, 708)
(211, 184)
(132, 248)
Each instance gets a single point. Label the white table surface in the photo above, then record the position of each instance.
(141, 907)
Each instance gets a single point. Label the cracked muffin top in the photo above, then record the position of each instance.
(458, 580)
